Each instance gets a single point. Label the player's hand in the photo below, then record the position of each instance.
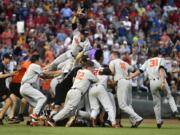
(113, 83)
(46, 67)
(13, 73)
(128, 78)
(57, 73)
(79, 11)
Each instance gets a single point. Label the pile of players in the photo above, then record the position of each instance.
(83, 92)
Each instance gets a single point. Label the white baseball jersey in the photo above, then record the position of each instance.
(151, 66)
(96, 64)
(120, 69)
(78, 46)
(66, 65)
(83, 79)
(102, 79)
(32, 74)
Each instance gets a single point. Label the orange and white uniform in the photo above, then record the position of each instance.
(83, 80)
(76, 47)
(151, 67)
(124, 88)
(98, 94)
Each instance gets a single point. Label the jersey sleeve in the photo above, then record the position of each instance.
(91, 77)
(162, 63)
(111, 66)
(87, 47)
(144, 66)
(37, 69)
(129, 68)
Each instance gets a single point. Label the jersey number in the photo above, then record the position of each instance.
(80, 76)
(96, 72)
(153, 63)
(123, 66)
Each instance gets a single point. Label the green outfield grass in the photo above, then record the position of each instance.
(148, 127)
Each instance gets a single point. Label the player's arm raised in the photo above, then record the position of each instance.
(75, 18)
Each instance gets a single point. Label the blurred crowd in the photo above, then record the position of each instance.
(133, 27)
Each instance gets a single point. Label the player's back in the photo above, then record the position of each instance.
(32, 73)
(19, 75)
(83, 80)
(102, 79)
(120, 67)
(152, 66)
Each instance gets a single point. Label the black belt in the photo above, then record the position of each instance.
(77, 89)
(27, 83)
(72, 55)
(154, 79)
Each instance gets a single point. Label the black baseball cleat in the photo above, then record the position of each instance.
(10, 119)
(137, 124)
(15, 121)
(20, 117)
(159, 125)
(1, 122)
(51, 123)
(176, 115)
(107, 123)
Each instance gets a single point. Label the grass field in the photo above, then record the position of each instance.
(148, 127)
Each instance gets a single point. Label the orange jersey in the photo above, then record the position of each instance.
(19, 75)
(46, 84)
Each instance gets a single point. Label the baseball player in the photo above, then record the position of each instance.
(65, 81)
(4, 91)
(98, 93)
(120, 70)
(80, 43)
(65, 67)
(29, 86)
(155, 68)
(80, 86)
(15, 85)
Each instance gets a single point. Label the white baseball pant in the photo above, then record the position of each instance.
(124, 96)
(33, 96)
(72, 100)
(99, 94)
(155, 85)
